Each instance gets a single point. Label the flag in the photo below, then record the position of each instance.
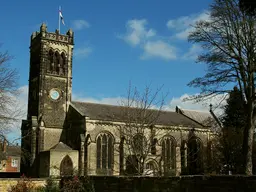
(61, 17)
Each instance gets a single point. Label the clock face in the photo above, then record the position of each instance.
(54, 94)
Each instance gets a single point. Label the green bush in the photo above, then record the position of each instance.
(51, 186)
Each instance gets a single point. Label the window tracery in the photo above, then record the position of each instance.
(51, 63)
(194, 153)
(169, 153)
(57, 62)
(105, 152)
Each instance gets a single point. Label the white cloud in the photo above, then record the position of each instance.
(159, 49)
(106, 100)
(193, 52)
(82, 52)
(182, 26)
(80, 24)
(175, 101)
(139, 35)
(217, 103)
(137, 32)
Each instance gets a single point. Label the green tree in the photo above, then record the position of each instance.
(228, 39)
(231, 137)
(234, 112)
(248, 6)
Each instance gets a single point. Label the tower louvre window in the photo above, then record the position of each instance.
(63, 63)
(57, 62)
(51, 63)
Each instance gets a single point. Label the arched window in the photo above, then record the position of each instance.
(63, 63)
(51, 63)
(139, 144)
(168, 154)
(66, 166)
(194, 153)
(57, 62)
(153, 146)
(121, 156)
(105, 153)
(151, 169)
(183, 156)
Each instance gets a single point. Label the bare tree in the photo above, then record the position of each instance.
(228, 39)
(140, 112)
(147, 149)
(10, 110)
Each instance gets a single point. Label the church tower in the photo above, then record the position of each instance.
(50, 87)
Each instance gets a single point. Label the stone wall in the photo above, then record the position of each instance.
(159, 184)
(175, 184)
(6, 183)
(179, 136)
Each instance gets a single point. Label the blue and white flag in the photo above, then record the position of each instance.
(61, 17)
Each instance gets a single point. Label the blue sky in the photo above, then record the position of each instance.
(144, 42)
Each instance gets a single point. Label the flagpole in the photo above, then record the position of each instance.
(59, 17)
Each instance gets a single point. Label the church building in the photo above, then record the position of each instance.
(65, 137)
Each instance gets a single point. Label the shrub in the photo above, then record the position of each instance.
(76, 184)
(51, 186)
(23, 185)
(72, 185)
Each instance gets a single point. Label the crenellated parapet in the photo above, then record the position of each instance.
(43, 34)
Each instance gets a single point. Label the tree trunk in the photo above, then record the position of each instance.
(248, 141)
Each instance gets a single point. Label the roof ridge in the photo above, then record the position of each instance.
(120, 106)
(59, 144)
(193, 110)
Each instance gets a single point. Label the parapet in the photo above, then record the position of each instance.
(53, 36)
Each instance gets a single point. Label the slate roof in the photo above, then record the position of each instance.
(204, 118)
(105, 112)
(13, 150)
(60, 146)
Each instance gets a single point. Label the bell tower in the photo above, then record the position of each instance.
(50, 84)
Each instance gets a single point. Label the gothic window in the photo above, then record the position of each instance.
(183, 156)
(168, 154)
(51, 63)
(66, 166)
(63, 63)
(139, 144)
(104, 144)
(153, 146)
(105, 152)
(57, 62)
(194, 153)
(60, 64)
(121, 156)
(99, 151)
(151, 169)
(209, 153)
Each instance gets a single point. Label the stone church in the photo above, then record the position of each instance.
(65, 137)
